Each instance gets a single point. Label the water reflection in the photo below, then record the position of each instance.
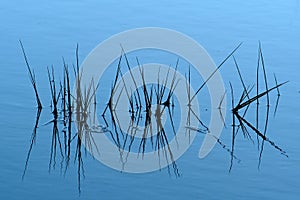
(240, 122)
(152, 110)
(147, 107)
(33, 139)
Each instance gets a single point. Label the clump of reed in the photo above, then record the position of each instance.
(245, 101)
(62, 106)
(56, 142)
(140, 102)
(140, 105)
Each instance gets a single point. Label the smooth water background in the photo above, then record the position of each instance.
(51, 29)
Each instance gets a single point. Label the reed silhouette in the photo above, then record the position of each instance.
(147, 106)
(32, 77)
(246, 101)
(141, 111)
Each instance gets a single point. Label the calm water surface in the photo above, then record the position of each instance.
(51, 29)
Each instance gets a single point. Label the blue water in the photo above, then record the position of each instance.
(51, 29)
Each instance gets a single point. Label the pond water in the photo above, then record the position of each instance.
(51, 29)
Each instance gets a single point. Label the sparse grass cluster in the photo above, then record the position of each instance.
(143, 103)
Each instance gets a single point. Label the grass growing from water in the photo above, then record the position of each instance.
(144, 103)
(246, 101)
(32, 78)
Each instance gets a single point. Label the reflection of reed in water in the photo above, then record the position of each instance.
(155, 99)
(147, 106)
(244, 104)
(32, 140)
(56, 144)
(63, 137)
